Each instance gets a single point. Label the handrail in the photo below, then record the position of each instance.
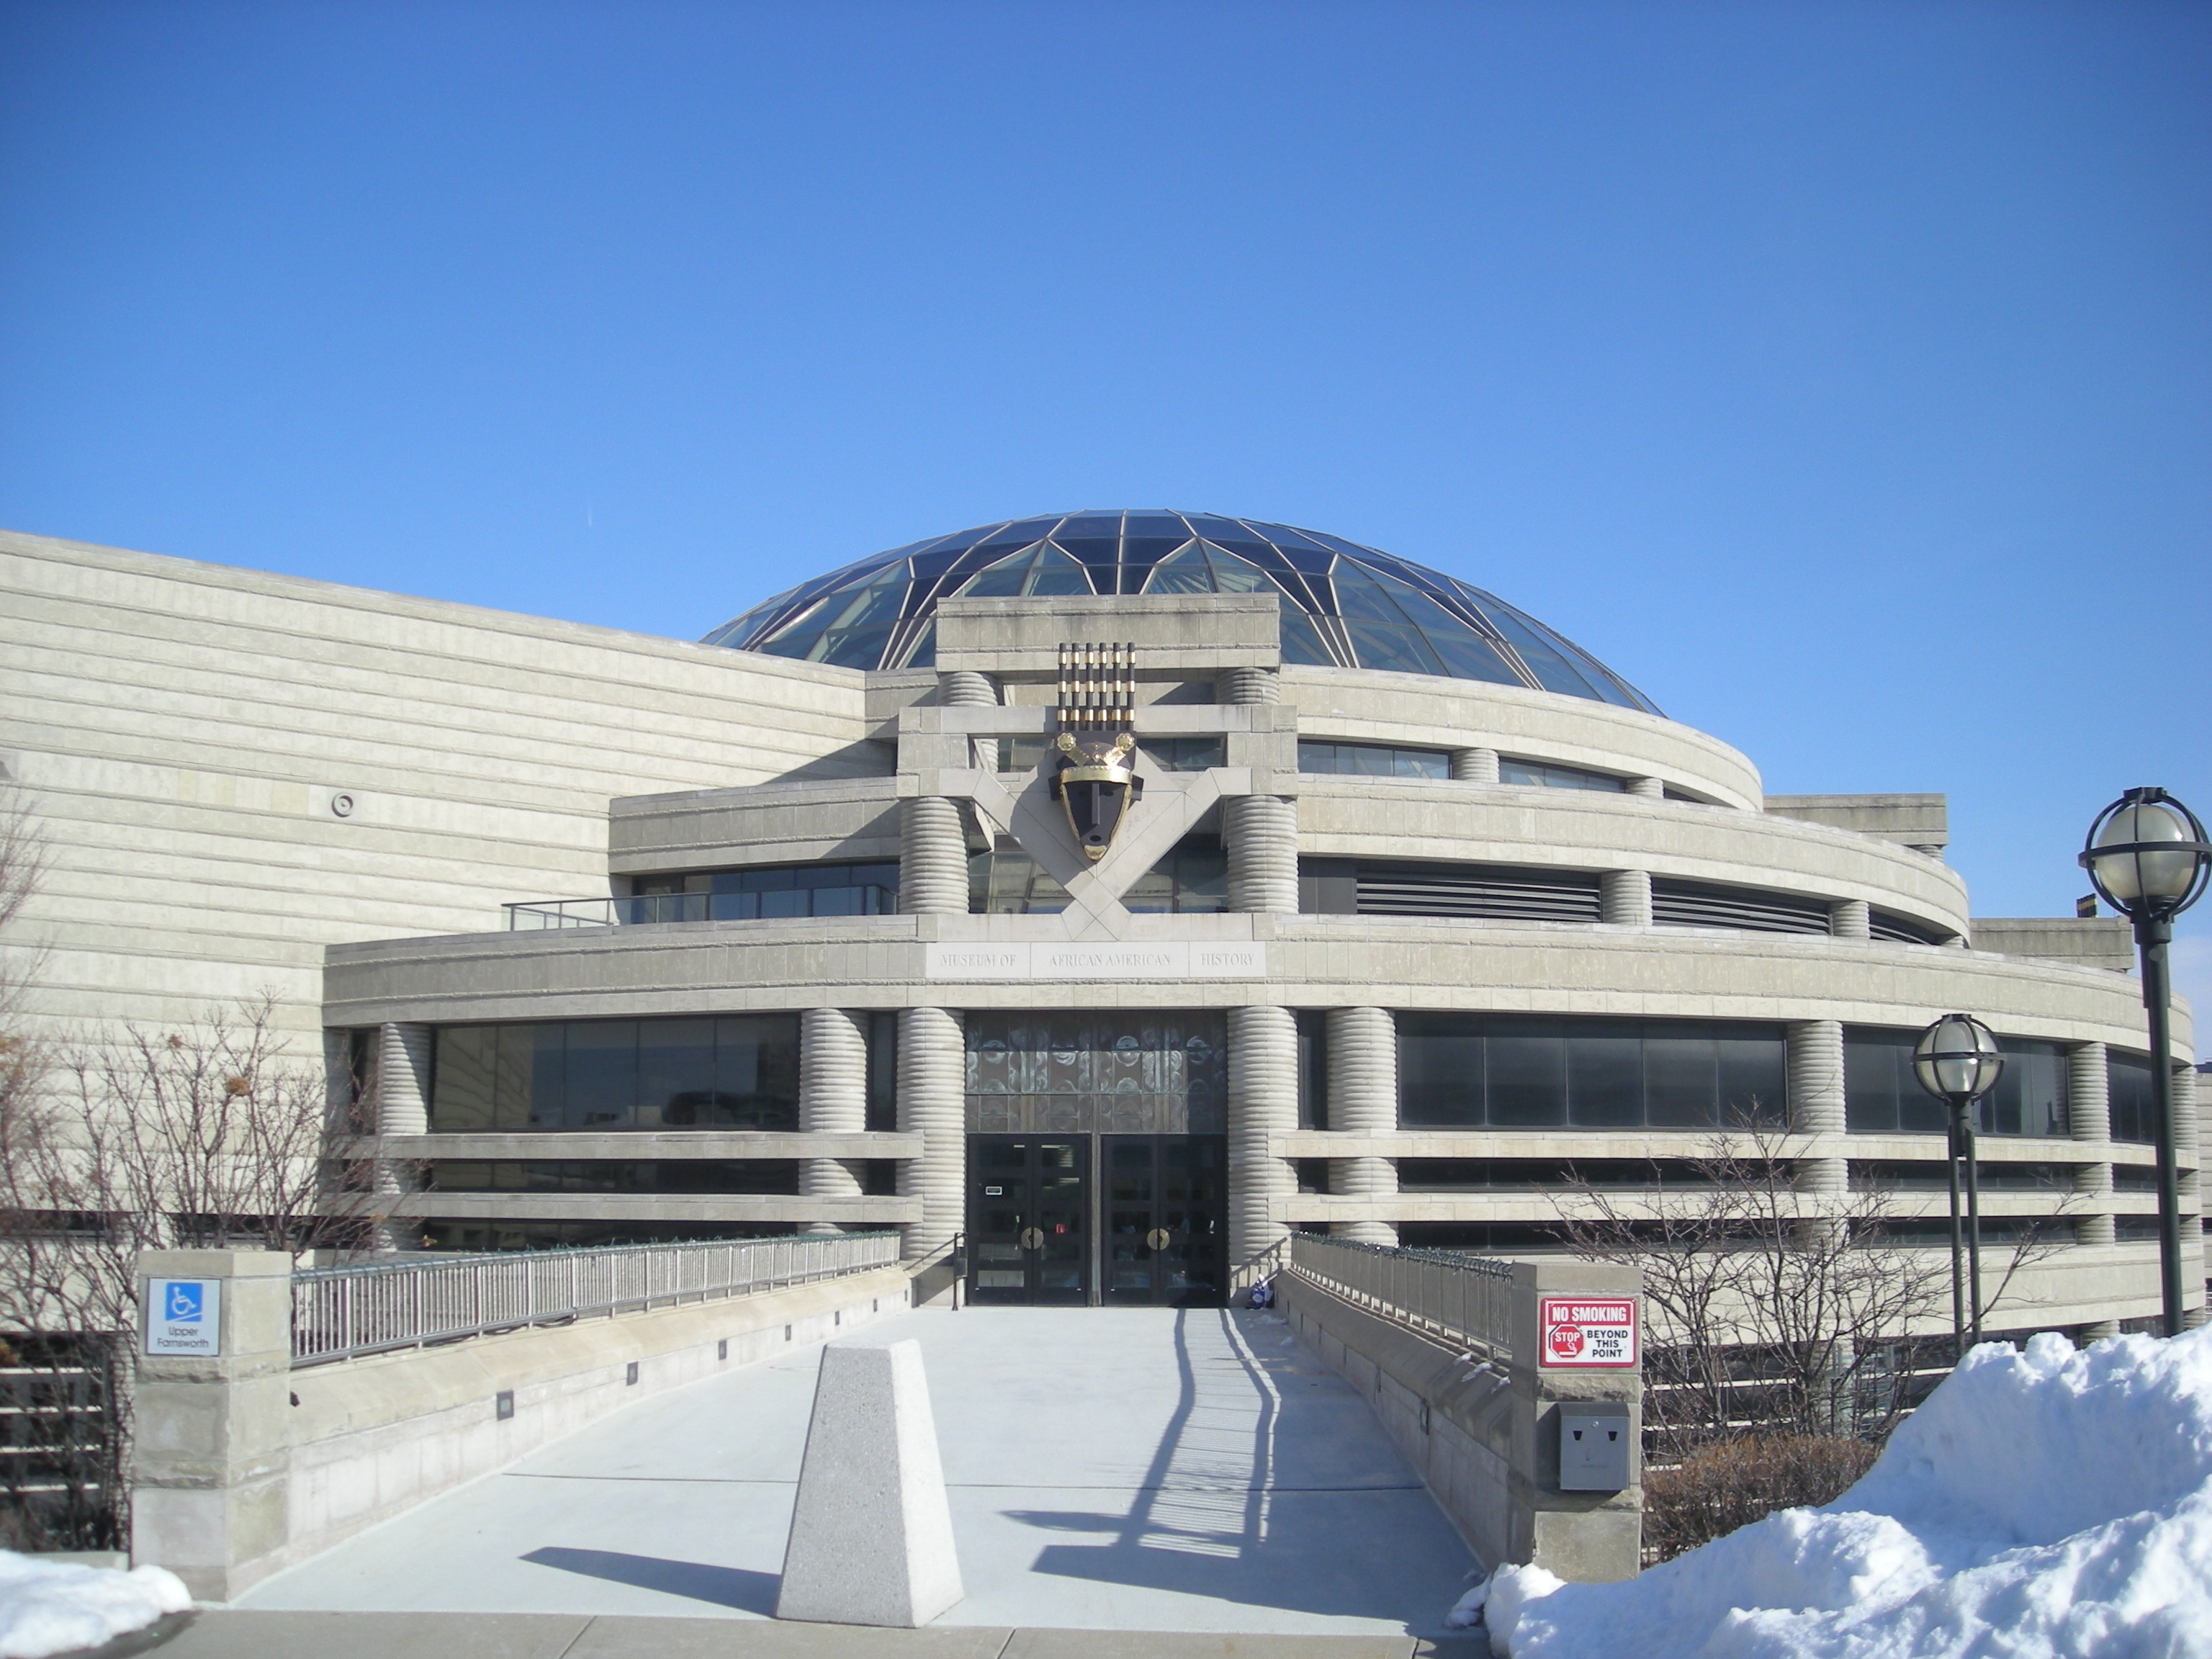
(375, 1307)
(1464, 1300)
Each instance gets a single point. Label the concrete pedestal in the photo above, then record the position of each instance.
(871, 1530)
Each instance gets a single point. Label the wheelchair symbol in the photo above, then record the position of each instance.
(183, 1304)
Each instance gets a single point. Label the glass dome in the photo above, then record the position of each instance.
(1344, 605)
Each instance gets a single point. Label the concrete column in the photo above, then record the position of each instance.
(403, 1100)
(1263, 1101)
(1815, 1060)
(1246, 685)
(932, 858)
(211, 1450)
(833, 1099)
(1363, 1099)
(1849, 918)
(933, 1103)
(402, 1080)
(2088, 1113)
(1261, 835)
(1624, 897)
(965, 688)
(1649, 788)
(1474, 766)
(2189, 1155)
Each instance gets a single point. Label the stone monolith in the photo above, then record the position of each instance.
(871, 1532)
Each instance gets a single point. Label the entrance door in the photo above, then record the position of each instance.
(1165, 1205)
(1028, 1219)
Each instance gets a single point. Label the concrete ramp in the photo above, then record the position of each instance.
(1109, 1469)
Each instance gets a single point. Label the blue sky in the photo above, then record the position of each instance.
(1839, 374)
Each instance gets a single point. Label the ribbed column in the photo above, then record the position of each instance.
(2088, 1116)
(1816, 1101)
(402, 1080)
(1850, 919)
(833, 1099)
(402, 1086)
(1363, 1098)
(1474, 765)
(1624, 897)
(2188, 1157)
(1244, 685)
(932, 1103)
(1650, 789)
(932, 858)
(965, 688)
(1261, 834)
(1263, 1101)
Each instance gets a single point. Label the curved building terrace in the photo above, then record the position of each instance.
(1414, 912)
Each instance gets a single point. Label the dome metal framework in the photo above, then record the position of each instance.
(1343, 605)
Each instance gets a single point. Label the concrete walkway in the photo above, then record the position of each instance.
(1111, 1469)
(230, 1633)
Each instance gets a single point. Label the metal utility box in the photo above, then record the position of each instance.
(1594, 1446)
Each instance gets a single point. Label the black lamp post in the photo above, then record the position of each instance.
(2148, 857)
(1957, 1060)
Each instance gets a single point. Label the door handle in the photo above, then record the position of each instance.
(1032, 1238)
(1158, 1238)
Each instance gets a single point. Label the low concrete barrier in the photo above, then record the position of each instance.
(243, 1466)
(1483, 1427)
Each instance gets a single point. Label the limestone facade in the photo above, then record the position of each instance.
(189, 732)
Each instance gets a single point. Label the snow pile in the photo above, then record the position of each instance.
(58, 1607)
(2047, 1504)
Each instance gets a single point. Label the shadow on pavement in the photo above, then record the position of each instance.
(1209, 1519)
(725, 1587)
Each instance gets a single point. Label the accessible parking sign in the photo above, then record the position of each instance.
(183, 1317)
(1595, 1331)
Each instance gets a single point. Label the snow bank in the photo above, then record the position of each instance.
(2049, 1505)
(58, 1607)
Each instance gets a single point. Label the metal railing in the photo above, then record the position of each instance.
(1460, 1299)
(644, 909)
(340, 1312)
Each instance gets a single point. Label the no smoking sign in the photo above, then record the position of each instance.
(1587, 1331)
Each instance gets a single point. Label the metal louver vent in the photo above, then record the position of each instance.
(1694, 904)
(1896, 930)
(1476, 892)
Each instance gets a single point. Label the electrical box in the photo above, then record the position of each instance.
(1594, 1446)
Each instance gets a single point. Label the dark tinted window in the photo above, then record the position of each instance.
(769, 891)
(1313, 1069)
(1543, 774)
(738, 1071)
(2128, 1080)
(883, 1071)
(1881, 1094)
(1192, 879)
(1467, 1071)
(2030, 1098)
(1373, 760)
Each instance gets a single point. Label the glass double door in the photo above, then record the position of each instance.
(1080, 1219)
(1028, 1219)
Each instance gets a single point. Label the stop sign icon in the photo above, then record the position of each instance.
(1587, 1330)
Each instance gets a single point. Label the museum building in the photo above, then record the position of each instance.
(1098, 896)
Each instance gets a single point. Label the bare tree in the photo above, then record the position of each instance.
(1773, 1310)
(23, 859)
(207, 1136)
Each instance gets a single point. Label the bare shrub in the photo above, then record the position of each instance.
(1732, 1483)
(1773, 1310)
